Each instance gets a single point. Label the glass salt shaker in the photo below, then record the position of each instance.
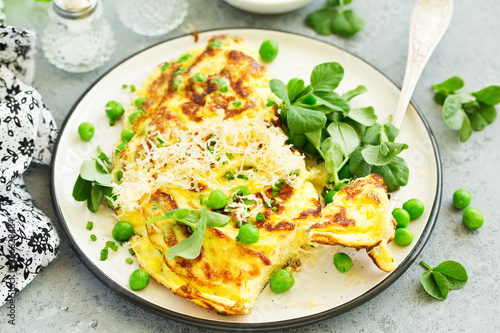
(151, 17)
(77, 39)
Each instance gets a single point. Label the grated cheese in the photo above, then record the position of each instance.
(184, 161)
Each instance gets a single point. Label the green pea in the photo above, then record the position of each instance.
(86, 131)
(310, 149)
(138, 280)
(403, 237)
(402, 217)
(268, 50)
(217, 199)
(127, 135)
(281, 281)
(461, 199)
(138, 102)
(297, 140)
(135, 115)
(199, 77)
(248, 234)
(340, 185)
(114, 110)
(329, 197)
(414, 207)
(122, 231)
(342, 262)
(473, 218)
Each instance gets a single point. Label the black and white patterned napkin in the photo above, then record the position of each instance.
(28, 241)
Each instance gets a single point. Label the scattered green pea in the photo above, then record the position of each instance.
(402, 217)
(217, 199)
(403, 237)
(134, 115)
(127, 134)
(138, 280)
(138, 103)
(268, 50)
(281, 281)
(122, 231)
(132, 88)
(200, 77)
(114, 111)
(472, 218)
(461, 199)
(86, 131)
(414, 207)
(342, 262)
(248, 234)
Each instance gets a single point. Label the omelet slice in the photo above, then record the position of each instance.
(359, 217)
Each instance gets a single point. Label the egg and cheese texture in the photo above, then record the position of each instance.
(203, 122)
(359, 217)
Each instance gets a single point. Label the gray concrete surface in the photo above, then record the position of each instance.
(66, 297)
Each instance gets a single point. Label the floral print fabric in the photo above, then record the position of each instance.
(28, 241)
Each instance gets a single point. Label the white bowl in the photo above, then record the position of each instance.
(268, 6)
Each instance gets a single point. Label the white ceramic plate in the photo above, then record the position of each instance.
(320, 290)
(268, 6)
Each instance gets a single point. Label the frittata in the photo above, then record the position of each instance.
(204, 122)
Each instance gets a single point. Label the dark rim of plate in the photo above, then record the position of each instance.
(253, 327)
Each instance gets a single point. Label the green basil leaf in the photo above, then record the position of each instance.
(94, 198)
(487, 112)
(453, 113)
(383, 154)
(466, 131)
(451, 85)
(345, 136)
(440, 97)
(355, 92)
(489, 95)
(365, 116)
(190, 247)
(321, 20)
(452, 269)
(332, 100)
(442, 283)
(326, 76)
(347, 23)
(430, 285)
(337, 3)
(217, 220)
(357, 164)
(82, 189)
(395, 174)
(373, 135)
(296, 88)
(334, 159)
(314, 137)
(391, 131)
(279, 89)
(301, 120)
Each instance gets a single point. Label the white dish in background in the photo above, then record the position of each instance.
(320, 290)
(268, 6)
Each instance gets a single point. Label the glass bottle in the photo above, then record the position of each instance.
(77, 39)
(151, 17)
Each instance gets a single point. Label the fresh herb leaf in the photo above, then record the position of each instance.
(384, 153)
(81, 189)
(190, 247)
(332, 101)
(489, 95)
(439, 280)
(328, 20)
(364, 116)
(302, 120)
(395, 174)
(347, 23)
(326, 77)
(345, 136)
(463, 111)
(94, 199)
(279, 89)
(355, 92)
